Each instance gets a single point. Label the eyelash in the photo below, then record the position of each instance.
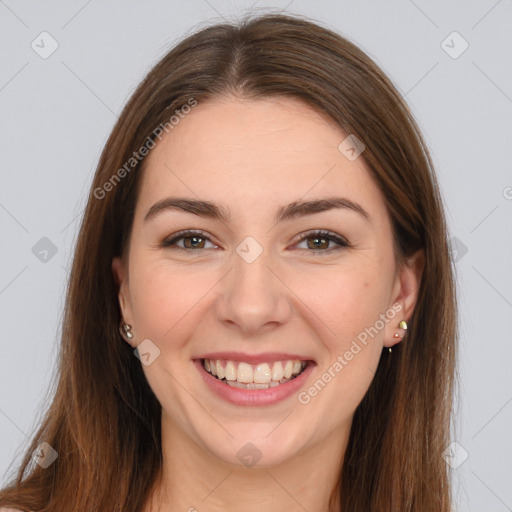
(342, 242)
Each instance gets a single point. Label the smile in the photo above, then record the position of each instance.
(252, 380)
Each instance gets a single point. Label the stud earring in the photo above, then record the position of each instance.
(126, 331)
(403, 327)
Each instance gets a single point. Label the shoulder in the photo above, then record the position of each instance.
(4, 509)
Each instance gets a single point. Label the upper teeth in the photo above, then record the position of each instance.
(262, 373)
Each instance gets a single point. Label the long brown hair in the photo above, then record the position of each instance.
(104, 420)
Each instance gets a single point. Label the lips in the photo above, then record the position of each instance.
(251, 392)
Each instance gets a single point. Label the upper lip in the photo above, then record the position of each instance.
(265, 357)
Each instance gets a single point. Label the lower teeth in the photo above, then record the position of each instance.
(256, 385)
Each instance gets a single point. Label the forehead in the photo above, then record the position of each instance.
(250, 153)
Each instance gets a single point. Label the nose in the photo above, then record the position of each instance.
(253, 297)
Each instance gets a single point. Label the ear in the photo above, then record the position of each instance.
(120, 276)
(405, 293)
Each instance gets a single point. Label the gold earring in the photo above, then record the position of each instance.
(402, 325)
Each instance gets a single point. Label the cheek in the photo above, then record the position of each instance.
(346, 299)
(167, 299)
(350, 303)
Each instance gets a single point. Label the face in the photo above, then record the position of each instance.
(257, 284)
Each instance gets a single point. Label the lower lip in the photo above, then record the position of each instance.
(254, 397)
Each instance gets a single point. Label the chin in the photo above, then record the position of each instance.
(255, 447)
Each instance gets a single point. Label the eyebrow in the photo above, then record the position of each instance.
(290, 211)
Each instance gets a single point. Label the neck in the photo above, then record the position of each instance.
(195, 480)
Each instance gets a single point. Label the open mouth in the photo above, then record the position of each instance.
(243, 375)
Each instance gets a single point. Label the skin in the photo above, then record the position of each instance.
(254, 156)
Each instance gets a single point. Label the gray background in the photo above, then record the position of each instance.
(56, 113)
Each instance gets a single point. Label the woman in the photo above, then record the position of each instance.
(261, 310)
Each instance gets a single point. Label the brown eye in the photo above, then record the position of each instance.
(318, 241)
(191, 240)
(194, 242)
